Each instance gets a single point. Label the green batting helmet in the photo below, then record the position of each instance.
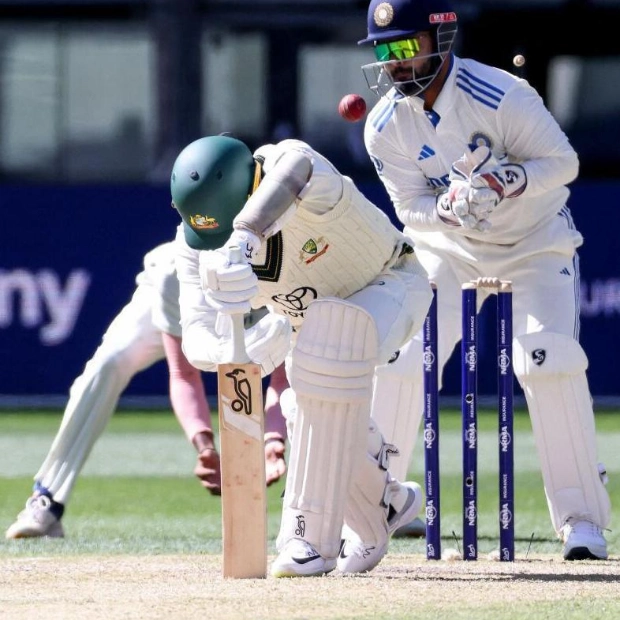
(211, 180)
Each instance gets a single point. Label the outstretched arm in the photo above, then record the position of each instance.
(191, 408)
(275, 426)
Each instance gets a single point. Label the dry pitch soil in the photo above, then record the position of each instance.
(190, 586)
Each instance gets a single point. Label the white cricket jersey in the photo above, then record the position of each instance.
(413, 151)
(334, 245)
(159, 273)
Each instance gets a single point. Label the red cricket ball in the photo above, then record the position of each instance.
(352, 108)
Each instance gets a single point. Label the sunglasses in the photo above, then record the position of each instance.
(397, 50)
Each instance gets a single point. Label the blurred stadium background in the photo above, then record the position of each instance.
(97, 98)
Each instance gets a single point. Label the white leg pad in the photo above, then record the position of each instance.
(366, 509)
(331, 374)
(551, 369)
(365, 506)
(397, 404)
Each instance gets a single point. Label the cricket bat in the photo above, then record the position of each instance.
(242, 460)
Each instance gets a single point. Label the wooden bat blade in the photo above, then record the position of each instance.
(242, 461)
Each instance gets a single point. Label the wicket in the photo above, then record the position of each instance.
(469, 413)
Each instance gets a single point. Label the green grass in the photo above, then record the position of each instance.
(137, 492)
(137, 496)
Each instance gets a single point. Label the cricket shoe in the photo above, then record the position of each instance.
(583, 541)
(358, 557)
(38, 519)
(300, 559)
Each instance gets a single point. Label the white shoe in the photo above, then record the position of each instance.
(358, 557)
(413, 529)
(583, 541)
(300, 559)
(36, 520)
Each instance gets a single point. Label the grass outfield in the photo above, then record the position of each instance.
(137, 498)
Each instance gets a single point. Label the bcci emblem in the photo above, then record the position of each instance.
(384, 14)
(479, 139)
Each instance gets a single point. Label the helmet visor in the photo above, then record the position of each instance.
(397, 50)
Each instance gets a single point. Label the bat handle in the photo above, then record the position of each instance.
(240, 355)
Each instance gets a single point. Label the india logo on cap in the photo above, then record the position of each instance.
(383, 15)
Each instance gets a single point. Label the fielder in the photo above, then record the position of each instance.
(477, 169)
(145, 331)
(331, 265)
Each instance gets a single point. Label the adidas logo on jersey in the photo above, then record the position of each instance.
(426, 152)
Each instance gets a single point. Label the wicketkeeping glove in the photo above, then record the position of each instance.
(453, 205)
(478, 183)
(492, 181)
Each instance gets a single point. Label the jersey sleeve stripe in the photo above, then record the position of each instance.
(468, 76)
(481, 91)
(381, 114)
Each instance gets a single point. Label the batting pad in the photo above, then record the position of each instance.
(331, 375)
(551, 369)
(366, 509)
(397, 404)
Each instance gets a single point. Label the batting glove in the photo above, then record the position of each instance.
(247, 241)
(227, 287)
(269, 341)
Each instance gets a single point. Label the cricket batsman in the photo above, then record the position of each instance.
(330, 264)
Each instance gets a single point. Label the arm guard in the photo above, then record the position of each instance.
(267, 208)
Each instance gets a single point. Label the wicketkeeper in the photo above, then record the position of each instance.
(477, 169)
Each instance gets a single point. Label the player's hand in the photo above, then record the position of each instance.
(275, 463)
(491, 182)
(478, 184)
(227, 287)
(487, 186)
(246, 240)
(269, 341)
(208, 463)
(453, 205)
(453, 208)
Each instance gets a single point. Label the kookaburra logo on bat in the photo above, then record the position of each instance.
(243, 392)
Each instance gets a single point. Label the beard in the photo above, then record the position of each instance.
(409, 81)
